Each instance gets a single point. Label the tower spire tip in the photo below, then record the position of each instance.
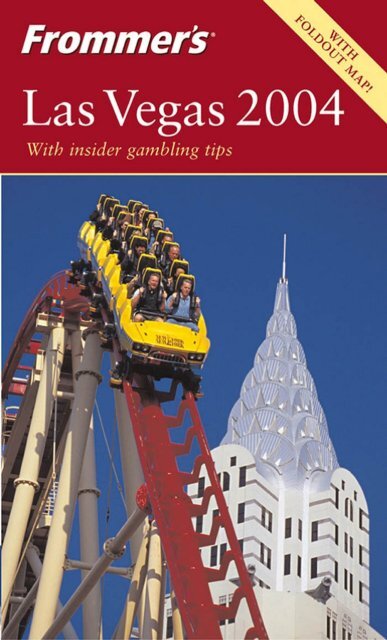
(284, 278)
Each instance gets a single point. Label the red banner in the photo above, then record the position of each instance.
(187, 88)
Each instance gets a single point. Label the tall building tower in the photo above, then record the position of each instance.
(301, 519)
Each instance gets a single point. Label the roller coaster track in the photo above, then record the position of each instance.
(56, 296)
(56, 300)
(170, 490)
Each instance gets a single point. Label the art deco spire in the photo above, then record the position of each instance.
(278, 416)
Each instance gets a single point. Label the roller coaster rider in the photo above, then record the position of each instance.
(170, 252)
(118, 243)
(138, 246)
(153, 226)
(99, 219)
(102, 212)
(178, 267)
(148, 302)
(146, 218)
(162, 236)
(138, 210)
(183, 307)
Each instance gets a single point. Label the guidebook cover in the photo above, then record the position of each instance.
(193, 320)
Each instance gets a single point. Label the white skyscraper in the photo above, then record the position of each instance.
(301, 519)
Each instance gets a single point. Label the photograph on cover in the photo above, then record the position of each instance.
(263, 296)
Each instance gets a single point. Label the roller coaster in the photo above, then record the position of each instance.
(51, 378)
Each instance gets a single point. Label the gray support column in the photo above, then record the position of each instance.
(162, 597)
(131, 468)
(27, 483)
(178, 633)
(23, 418)
(88, 378)
(35, 563)
(125, 625)
(88, 495)
(11, 630)
(153, 587)
(19, 589)
(113, 548)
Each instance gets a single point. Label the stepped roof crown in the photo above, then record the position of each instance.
(278, 416)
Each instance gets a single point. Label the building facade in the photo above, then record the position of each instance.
(301, 520)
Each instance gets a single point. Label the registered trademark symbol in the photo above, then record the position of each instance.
(213, 34)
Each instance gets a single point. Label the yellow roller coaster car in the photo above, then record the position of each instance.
(149, 342)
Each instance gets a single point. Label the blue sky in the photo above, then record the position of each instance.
(230, 229)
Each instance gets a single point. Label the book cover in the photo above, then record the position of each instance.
(236, 124)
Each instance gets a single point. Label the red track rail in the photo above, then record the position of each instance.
(56, 292)
(172, 506)
(173, 510)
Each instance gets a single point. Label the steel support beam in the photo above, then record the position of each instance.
(23, 418)
(88, 378)
(85, 566)
(113, 548)
(27, 483)
(35, 563)
(11, 629)
(162, 597)
(133, 476)
(88, 495)
(19, 589)
(153, 587)
(177, 623)
(125, 626)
